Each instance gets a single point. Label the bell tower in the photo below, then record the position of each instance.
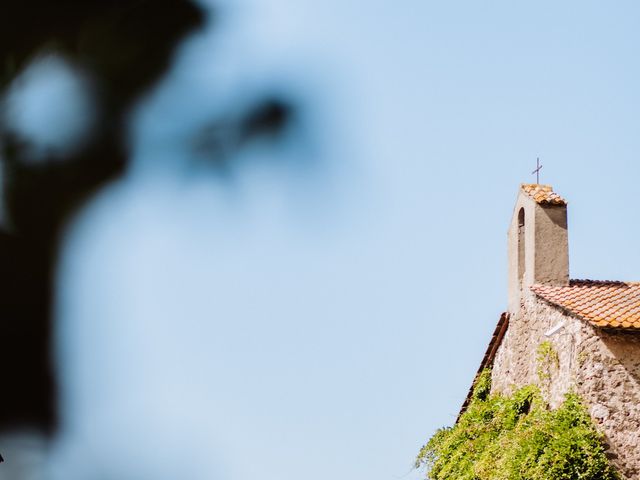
(538, 242)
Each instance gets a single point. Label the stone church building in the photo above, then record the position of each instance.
(568, 335)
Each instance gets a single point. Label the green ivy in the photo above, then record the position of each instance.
(517, 438)
(547, 359)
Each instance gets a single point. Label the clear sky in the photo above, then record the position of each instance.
(321, 311)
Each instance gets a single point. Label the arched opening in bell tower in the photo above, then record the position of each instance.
(521, 244)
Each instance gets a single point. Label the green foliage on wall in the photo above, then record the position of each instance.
(517, 438)
(547, 359)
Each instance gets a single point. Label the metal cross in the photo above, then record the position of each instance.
(537, 170)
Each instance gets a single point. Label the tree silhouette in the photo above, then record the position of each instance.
(126, 46)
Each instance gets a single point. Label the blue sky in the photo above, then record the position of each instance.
(320, 314)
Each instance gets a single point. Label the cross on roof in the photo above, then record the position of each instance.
(537, 170)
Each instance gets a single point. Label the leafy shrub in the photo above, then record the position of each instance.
(517, 438)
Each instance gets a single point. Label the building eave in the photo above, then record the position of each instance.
(489, 356)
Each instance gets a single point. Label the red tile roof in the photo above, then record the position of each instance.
(542, 194)
(603, 304)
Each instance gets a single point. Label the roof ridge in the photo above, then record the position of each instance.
(588, 281)
(541, 185)
(580, 281)
(542, 194)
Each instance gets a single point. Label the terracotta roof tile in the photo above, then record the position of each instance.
(542, 194)
(604, 304)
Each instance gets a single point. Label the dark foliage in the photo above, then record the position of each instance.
(126, 46)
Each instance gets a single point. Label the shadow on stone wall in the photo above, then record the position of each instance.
(625, 348)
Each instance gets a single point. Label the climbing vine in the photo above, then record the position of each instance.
(547, 359)
(517, 438)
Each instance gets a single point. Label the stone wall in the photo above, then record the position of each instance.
(609, 382)
(603, 368)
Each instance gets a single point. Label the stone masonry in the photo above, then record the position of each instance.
(569, 336)
(602, 367)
